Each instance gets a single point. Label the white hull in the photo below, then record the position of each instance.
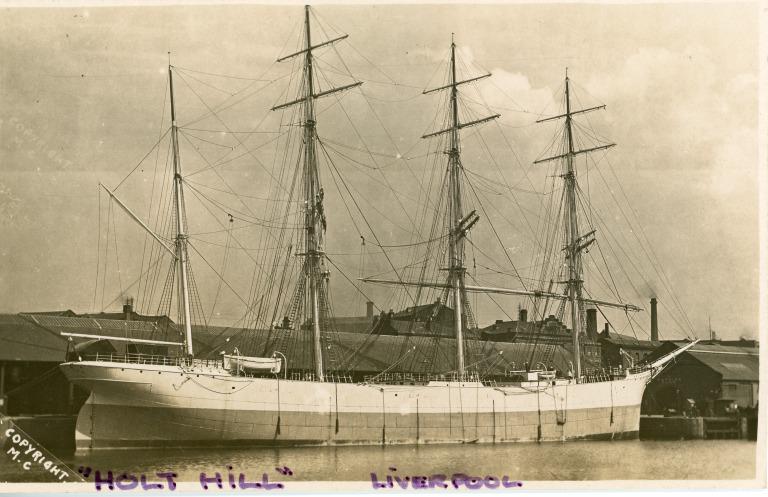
(141, 405)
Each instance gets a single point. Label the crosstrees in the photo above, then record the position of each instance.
(308, 49)
(317, 95)
(575, 153)
(462, 125)
(470, 80)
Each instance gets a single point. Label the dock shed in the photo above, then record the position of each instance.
(709, 374)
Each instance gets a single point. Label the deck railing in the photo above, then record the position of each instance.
(592, 376)
(329, 377)
(154, 360)
(418, 377)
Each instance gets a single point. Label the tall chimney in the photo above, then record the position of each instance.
(654, 321)
(128, 308)
(369, 309)
(592, 322)
(607, 330)
(523, 315)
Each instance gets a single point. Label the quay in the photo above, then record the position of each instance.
(658, 427)
(54, 432)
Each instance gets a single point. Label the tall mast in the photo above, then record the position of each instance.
(311, 202)
(314, 215)
(459, 224)
(574, 255)
(456, 248)
(576, 243)
(181, 236)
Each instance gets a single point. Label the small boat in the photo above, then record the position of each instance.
(238, 362)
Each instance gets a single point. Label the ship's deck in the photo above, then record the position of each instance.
(510, 378)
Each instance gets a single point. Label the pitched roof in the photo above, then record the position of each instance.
(357, 324)
(98, 326)
(36, 337)
(733, 363)
(22, 340)
(379, 352)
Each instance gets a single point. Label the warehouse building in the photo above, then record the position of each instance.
(705, 380)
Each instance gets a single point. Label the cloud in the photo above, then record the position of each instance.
(512, 89)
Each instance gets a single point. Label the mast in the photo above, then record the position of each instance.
(314, 272)
(574, 256)
(311, 194)
(181, 236)
(456, 243)
(575, 243)
(459, 224)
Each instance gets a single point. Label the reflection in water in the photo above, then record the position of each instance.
(625, 460)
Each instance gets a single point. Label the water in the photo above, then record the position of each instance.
(587, 460)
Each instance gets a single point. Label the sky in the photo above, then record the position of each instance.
(83, 96)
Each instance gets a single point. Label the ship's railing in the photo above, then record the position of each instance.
(608, 374)
(153, 360)
(338, 378)
(310, 376)
(192, 364)
(639, 369)
(596, 377)
(398, 378)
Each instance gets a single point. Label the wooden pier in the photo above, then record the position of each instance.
(692, 428)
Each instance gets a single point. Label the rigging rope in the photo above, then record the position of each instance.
(142, 160)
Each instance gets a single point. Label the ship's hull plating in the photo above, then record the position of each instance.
(134, 405)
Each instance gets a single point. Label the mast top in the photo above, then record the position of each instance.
(307, 52)
(568, 115)
(453, 85)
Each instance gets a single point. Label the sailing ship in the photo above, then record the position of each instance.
(144, 400)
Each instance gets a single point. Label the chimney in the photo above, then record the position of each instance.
(128, 309)
(654, 321)
(592, 322)
(369, 309)
(606, 331)
(523, 315)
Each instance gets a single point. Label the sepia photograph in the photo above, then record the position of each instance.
(381, 247)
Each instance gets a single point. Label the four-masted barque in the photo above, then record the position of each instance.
(149, 400)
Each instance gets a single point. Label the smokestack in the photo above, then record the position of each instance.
(654, 321)
(369, 309)
(522, 315)
(592, 322)
(128, 309)
(606, 331)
